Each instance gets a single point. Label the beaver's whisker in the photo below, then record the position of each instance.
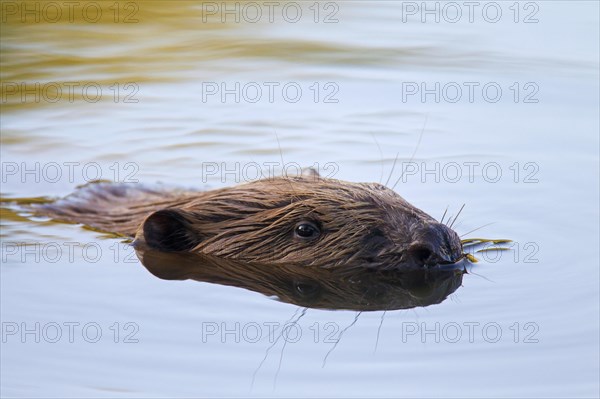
(283, 169)
(392, 171)
(339, 338)
(272, 345)
(380, 156)
(283, 349)
(483, 277)
(443, 216)
(474, 230)
(457, 215)
(379, 331)
(412, 157)
(280, 154)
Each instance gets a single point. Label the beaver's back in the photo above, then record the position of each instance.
(117, 208)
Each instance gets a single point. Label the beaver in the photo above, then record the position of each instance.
(304, 220)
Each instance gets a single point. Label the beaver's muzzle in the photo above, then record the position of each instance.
(433, 244)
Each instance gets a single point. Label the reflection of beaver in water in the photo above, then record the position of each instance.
(310, 221)
(350, 288)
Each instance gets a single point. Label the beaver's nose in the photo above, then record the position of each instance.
(434, 243)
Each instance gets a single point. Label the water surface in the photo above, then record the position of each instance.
(523, 323)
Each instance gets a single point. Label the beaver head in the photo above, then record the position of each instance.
(309, 221)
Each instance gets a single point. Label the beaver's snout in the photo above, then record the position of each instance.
(433, 244)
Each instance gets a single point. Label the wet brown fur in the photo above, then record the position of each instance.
(363, 223)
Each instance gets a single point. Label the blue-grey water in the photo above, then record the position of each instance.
(495, 107)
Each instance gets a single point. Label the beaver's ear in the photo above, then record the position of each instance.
(310, 172)
(170, 230)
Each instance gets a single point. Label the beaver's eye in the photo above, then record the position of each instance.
(306, 230)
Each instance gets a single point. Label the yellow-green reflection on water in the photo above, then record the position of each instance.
(116, 47)
(99, 43)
